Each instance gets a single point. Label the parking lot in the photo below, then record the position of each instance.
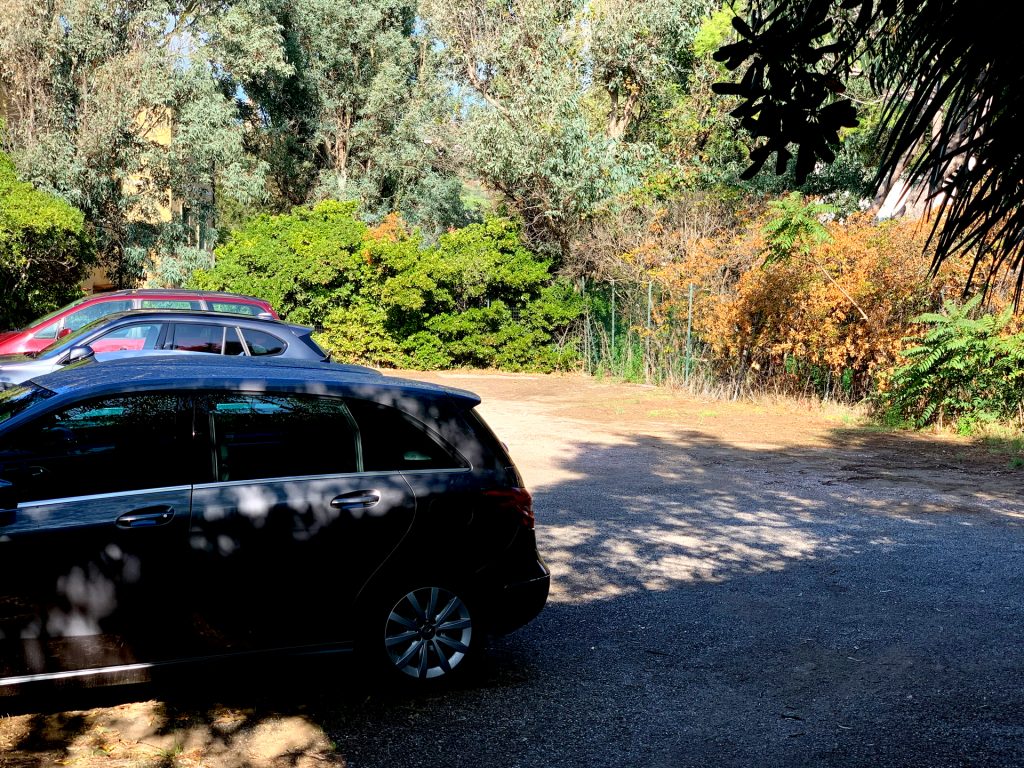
(734, 584)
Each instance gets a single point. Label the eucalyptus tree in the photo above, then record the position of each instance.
(119, 109)
(553, 93)
(350, 118)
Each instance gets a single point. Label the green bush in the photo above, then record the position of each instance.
(476, 298)
(964, 371)
(305, 263)
(45, 250)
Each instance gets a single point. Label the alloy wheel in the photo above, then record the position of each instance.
(428, 633)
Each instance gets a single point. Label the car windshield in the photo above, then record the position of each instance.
(73, 339)
(16, 399)
(42, 320)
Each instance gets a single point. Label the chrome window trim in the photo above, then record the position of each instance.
(296, 479)
(446, 471)
(337, 476)
(95, 496)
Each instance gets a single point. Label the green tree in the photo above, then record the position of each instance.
(641, 54)
(555, 94)
(478, 298)
(45, 249)
(351, 117)
(383, 296)
(120, 110)
(304, 262)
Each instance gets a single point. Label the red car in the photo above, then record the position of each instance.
(56, 325)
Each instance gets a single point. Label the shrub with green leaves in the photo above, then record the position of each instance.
(305, 263)
(476, 298)
(45, 250)
(963, 370)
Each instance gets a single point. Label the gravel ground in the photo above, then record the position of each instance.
(735, 585)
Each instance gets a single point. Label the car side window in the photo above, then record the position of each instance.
(86, 315)
(232, 344)
(261, 343)
(195, 337)
(391, 441)
(169, 304)
(117, 444)
(262, 436)
(236, 308)
(130, 337)
(47, 332)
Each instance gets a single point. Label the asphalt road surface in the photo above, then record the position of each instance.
(733, 586)
(744, 598)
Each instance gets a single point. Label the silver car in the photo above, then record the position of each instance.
(166, 332)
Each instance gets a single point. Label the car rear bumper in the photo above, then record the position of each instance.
(519, 602)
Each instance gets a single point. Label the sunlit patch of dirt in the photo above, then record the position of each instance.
(149, 735)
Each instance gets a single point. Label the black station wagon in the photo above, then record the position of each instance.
(161, 510)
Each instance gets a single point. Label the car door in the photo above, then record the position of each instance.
(88, 556)
(455, 533)
(290, 527)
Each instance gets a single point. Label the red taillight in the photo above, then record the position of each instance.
(517, 500)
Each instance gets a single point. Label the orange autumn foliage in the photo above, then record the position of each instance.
(780, 323)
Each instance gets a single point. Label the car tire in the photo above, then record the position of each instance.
(424, 635)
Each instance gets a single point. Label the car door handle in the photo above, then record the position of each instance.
(146, 517)
(356, 500)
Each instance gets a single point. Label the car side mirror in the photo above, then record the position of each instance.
(80, 353)
(8, 496)
(63, 332)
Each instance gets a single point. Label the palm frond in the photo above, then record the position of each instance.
(953, 99)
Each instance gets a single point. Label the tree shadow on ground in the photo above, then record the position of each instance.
(855, 603)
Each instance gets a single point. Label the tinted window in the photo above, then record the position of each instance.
(194, 337)
(170, 304)
(13, 400)
(264, 436)
(261, 343)
(236, 308)
(76, 320)
(393, 441)
(232, 344)
(117, 444)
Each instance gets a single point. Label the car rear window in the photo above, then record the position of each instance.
(268, 436)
